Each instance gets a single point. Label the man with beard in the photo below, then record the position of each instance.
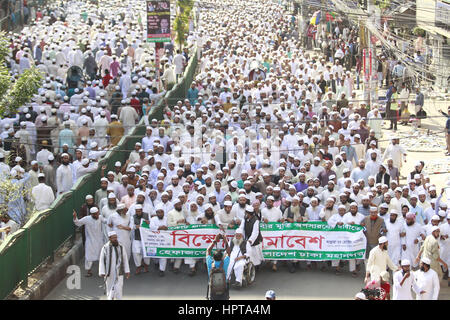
(237, 258)
(64, 175)
(353, 217)
(140, 200)
(121, 222)
(414, 233)
(208, 215)
(375, 228)
(337, 220)
(249, 227)
(384, 209)
(394, 233)
(106, 212)
(427, 281)
(295, 212)
(159, 222)
(430, 249)
(328, 210)
(272, 214)
(137, 249)
(382, 175)
(94, 237)
(101, 193)
(84, 212)
(378, 261)
(238, 209)
(113, 265)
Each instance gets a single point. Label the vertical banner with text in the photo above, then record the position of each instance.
(158, 21)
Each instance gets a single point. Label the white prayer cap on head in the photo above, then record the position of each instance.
(111, 195)
(228, 203)
(138, 207)
(121, 206)
(85, 161)
(425, 260)
(442, 213)
(353, 204)
(94, 144)
(341, 206)
(405, 262)
(41, 175)
(382, 239)
(51, 158)
(33, 162)
(17, 159)
(93, 210)
(112, 233)
(249, 208)
(89, 197)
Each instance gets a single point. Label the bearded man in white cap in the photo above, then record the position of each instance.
(427, 281)
(430, 249)
(378, 261)
(394, 233)
(121, 222)
(445, 245)
(159, 222)
(94, 237)
(113, 266)
(64, 175)
(237, 258)
(414, 233)
(403, 282)
(249, 227)
(137, 249)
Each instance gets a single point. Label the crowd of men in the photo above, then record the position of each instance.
(71, 123)
(268, 132)
(273, 144)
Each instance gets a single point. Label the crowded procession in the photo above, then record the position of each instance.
(274, 143)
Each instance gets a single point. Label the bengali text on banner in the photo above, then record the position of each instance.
(281, 241)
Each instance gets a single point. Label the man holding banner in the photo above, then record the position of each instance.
(250, 229)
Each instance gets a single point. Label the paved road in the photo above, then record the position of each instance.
(304, 284)
(311, 284)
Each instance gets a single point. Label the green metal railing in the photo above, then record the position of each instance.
(39, 239)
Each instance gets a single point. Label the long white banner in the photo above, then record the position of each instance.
(289, 241)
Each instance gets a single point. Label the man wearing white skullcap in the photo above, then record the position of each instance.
(113, 264)
(121, 222)
(430, 249)
(42, 194)
(403, 282)
(94, 237)
(159, 222)
(137, 249)
(378, 261)
(427, 281)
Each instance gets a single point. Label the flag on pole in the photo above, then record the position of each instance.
(315, 19)
(330, 16)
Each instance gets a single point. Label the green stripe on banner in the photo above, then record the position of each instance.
(268, 254)
(158, 39)
(277, 226)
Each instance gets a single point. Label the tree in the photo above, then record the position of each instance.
(181, 23)
(15, 199)
(15, 92)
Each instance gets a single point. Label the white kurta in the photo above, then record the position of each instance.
(445, 244)
(428, 282)
(94, 236)
(412, 249)
(124, 236)
(377, 263)
(403, 292)
(238, 266)
(394, 240)
(43, 196)
(254, 252)
(114, 282)
(64, 178)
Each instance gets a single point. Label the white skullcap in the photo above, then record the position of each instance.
(93, 210)
(112, 233)
(89, 197)
(382, 239)
(120, 206)
(138, 207)
(111, 195)
(426, 260)
(405, 262)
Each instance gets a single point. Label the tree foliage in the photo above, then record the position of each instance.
(14, 94)
(181, 23)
